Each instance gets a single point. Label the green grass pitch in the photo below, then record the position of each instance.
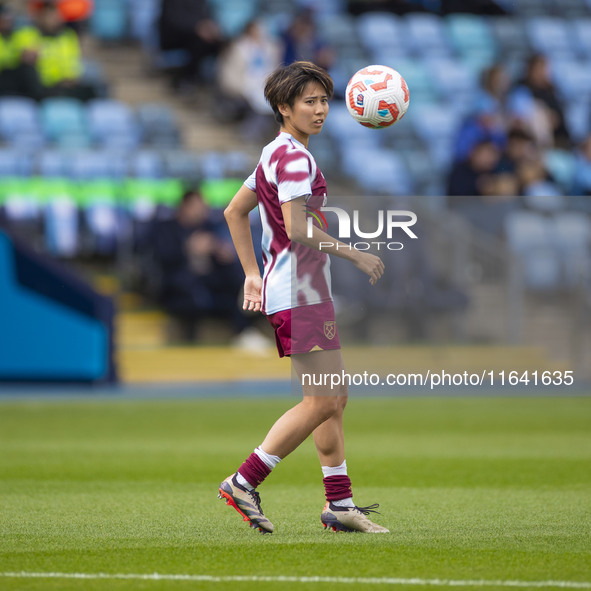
(494, 489)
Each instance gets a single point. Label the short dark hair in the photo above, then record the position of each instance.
(287, 83)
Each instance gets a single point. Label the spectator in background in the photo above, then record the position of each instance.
(199, 272)
(54, 51)
(485, 123)
(188, 25)
(73, 12)
(301, 42)
(494, 85)
(242, 71)
(481, 190)
(538, 82)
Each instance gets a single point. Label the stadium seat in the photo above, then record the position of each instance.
(112, 123)
(383, 172)
(561, 165)
(337, 30)
(233, 15)
(419, 80)
(550, 36)
(572, 78)
(96, 164)
(182, 164)
(15, 163)
(530, 8)
(61, 116)
(581, 36)
(17, 116)
(109, 20)
(511, 39)
(158, 122)
(529, 236)
(52, 163)
(471, 35)
(426, 34)
(380, 33)
(341, 127)
(572, 234)
(453, 80)
(146, 164)
(578, 118)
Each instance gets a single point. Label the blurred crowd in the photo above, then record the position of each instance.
(40, 54)
(499, 154)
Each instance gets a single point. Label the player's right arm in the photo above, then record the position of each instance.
(236, 215)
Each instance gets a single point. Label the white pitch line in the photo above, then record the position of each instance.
(287, 579)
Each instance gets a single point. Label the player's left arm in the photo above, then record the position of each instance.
(238, 221)
(296, 227)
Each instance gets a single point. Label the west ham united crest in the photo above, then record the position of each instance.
(330, 329)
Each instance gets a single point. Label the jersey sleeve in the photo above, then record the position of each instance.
(294, 171)
(251, 181)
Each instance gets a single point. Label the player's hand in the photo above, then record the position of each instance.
(370, 264)
(253, 286)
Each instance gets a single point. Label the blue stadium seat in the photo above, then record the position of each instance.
(146, 164)
(18, 115)
(578, 117)
(96, 164)
(419, 80)
(471, 35)
(233, 15)
(15, 163)
(61, 116)
(109, 20)
(454, 81)
(426, 34)
(52, 163)
(529, 236)
(550, 36)
(384, 172)
(572, 78)
(112, 124)
(182, 164)
(572, 234)
(581, 36)
(511, 39)
(561, 165)
(341, 126)
(380, 34)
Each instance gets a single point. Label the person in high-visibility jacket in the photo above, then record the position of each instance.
(57, 55)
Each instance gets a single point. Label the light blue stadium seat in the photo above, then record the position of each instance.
(182, 164)
(426, 34)
(109, 20)
(96, 164)
(581, 36)
(420, 82)
(454, 81)
(337, 30)
(112, 123)
(529, 235)
(15, 163)
(233, 15)
(18, 115)
(550, 36)
(572, 234)
(578, 117)
(146, 164)
(380, 34)
(384, 172)
(561, 165)
(341, 127)
(572, 78)
(510, 36)
(471, 34)
(61, 116)
(52, 163)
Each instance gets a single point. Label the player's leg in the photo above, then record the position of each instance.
(288, 432)
(340, 512)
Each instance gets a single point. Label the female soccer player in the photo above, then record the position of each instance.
(295, 295)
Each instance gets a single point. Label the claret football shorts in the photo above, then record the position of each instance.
(305, 329)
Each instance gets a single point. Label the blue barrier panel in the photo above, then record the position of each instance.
(53, 326)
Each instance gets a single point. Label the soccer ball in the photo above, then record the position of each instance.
(377, 96)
